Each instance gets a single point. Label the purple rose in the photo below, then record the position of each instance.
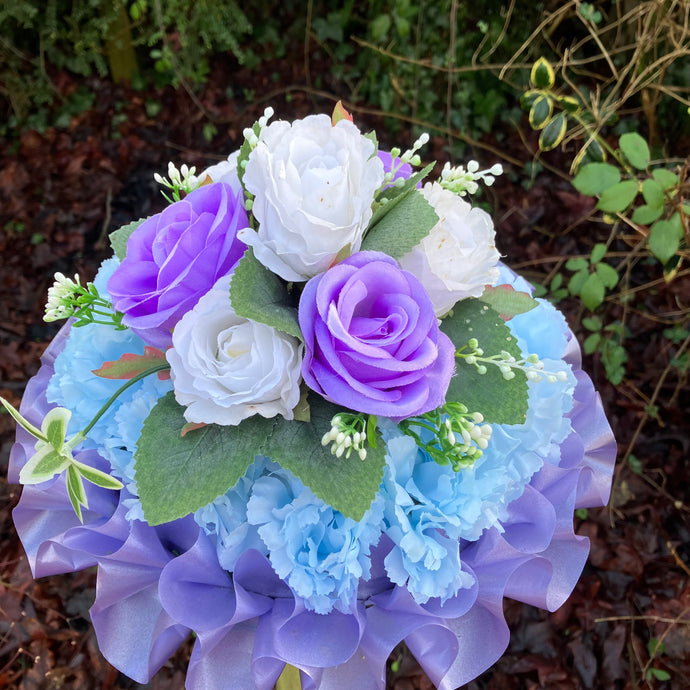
(175, 257)
(372, 340)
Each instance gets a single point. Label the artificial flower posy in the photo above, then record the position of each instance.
(329, 420)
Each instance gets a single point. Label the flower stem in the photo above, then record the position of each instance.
(160, 367)
(289, 679)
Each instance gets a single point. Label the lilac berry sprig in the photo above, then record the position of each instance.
(450, 434)
(68, 298)
(507, 364)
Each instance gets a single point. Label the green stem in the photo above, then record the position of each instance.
(160, 367)
(289, 679)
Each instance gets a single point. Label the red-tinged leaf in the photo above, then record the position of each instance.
(507, 301)
(129, 365)
(339, 113)
(191, 426)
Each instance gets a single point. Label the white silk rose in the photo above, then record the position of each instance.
(458, 257)
(313, 185)
(226, 368)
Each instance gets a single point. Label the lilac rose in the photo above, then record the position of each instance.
(372, 340)
(175, 257)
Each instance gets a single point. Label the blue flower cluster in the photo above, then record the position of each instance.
(317, 551)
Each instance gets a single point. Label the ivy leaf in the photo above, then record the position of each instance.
(177, 475)
(347, 484)
(500, 401)
(118, 238)
(406, 223)
(592, 179)
(617, 198)
(542, 74)
(507, 301)
(635, 149)
(130, 365)
(540, 112)
(260, 295)
(553, 132)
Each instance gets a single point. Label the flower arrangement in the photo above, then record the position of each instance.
(305, 413)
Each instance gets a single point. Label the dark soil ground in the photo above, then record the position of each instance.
(63, 190)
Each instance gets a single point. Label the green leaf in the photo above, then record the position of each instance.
(644, 215)
(592, 323)
(658, 673)
(500, 401)
(24, 423)
(542, 74)
(97, 477)
(75, 491)
(43, 465)
(593, 291)
(553, 132)
(507, 301)
(592, 152)
(598, 253)
(568, 103)
(528, 98)
(635, 149)
(405, 225)
(243, 155)
(608, 275)
(347, 484)
(130, 365)
(576, 264)
(118, 238)
(260, 295)
(664, 238)
(540, 112)
(653, 193)
(591, 343)
(665, 178)
(178, 475)
(617, 198)
(54, 426)
(577, 281)
(592, 179)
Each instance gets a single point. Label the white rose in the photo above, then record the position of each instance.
(226, 368)
(458, 258)
(313, 185)
(225, 171)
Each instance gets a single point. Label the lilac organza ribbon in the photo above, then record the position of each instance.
(155, 584)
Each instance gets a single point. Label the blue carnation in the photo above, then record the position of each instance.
(225, 518)
(317, 551)
(420, 518)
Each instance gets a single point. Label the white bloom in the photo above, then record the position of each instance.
(313, 185)
(458, 258)
(225, 171)
(226, 368)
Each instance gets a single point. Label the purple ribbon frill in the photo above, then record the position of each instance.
(155, 584)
